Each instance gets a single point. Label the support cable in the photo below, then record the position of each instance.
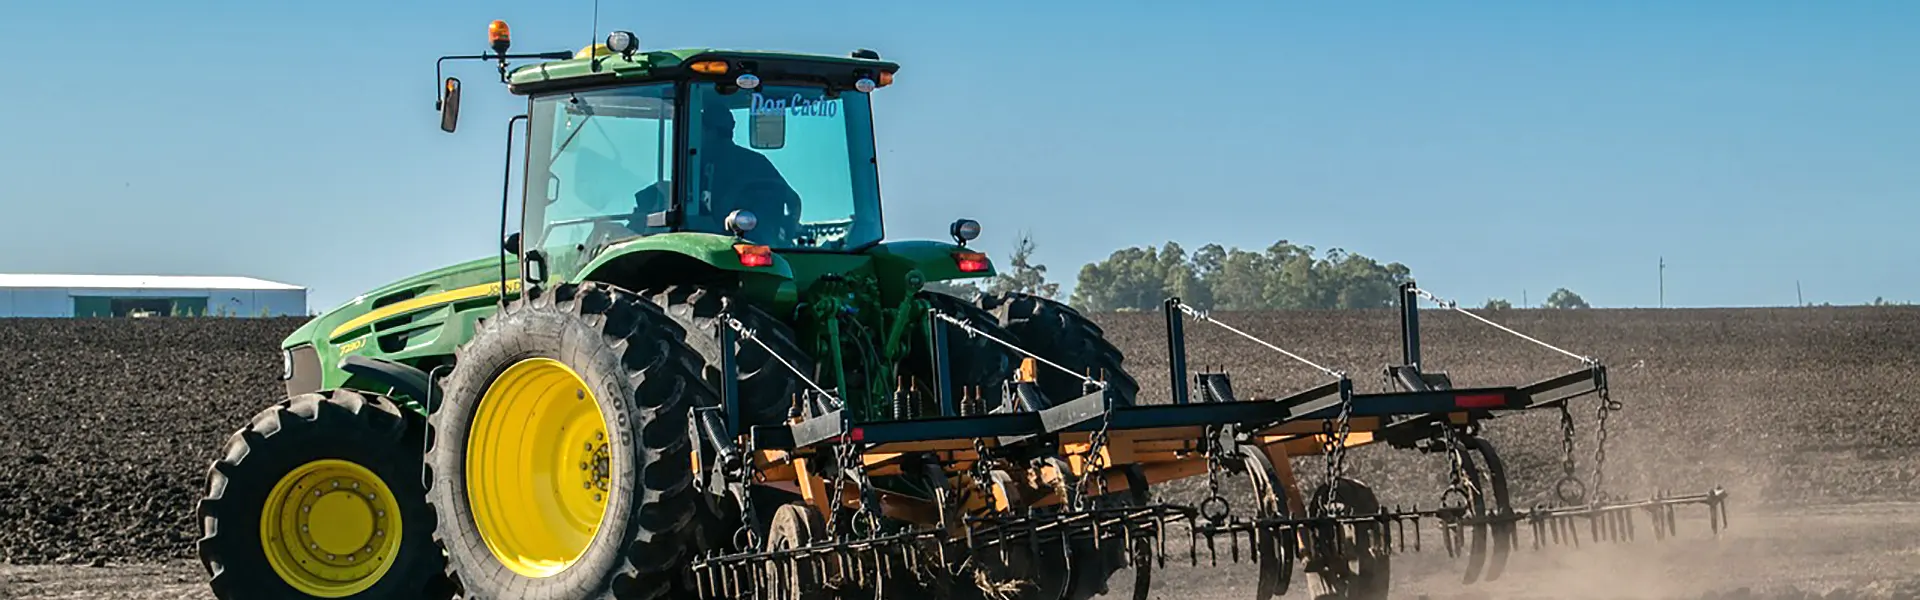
(1203, 316)
(1451, 305)
(748, 334)
(969, 328)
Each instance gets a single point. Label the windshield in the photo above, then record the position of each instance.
(599, 163)
(800, 158)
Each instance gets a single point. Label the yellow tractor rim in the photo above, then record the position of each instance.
(331, 528)
(538, 469)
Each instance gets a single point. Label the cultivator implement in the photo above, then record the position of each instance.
(1046, 498)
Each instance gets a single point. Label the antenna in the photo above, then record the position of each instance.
(1663, 282)
(592, 59)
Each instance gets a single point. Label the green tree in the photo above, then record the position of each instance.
(1566, 299)
(1129, 279)
(1284, 275)
(1025, 276)
(1497, 304)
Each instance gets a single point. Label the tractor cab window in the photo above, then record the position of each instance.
(600, 162)
(799, 157)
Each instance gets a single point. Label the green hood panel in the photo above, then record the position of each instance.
(417, 320)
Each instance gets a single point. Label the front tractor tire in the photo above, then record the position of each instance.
(560, 457)
(319, 496)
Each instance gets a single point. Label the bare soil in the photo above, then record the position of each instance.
(1807, 416)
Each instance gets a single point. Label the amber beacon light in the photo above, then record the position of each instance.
(498, 36)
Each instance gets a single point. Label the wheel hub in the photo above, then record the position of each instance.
(330, 528)
(539, 467)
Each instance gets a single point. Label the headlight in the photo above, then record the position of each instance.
(286, 365)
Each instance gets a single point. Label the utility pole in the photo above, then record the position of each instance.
(1663, 282)
(1797, 295)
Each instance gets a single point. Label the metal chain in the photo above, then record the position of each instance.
(841, 466)
(1566, 441)
(1214, 462)
(982, 473)
(1095, 460)
(1457, 483)
(1607, 407)
(747, 514)
(1334, 444)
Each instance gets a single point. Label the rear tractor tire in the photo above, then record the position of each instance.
(767, 388)
(974, 363)
(1061, 334)
(320, 496)
(560, 457)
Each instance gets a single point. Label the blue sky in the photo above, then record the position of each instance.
(1496, 147)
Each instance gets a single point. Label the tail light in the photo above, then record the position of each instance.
(754, 256)
(971, 262)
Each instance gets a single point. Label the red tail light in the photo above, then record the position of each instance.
(754, 256)
(971, 262)
(1480, 401)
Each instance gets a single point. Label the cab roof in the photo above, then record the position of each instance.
(772, 66)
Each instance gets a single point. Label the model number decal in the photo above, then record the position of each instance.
(353, 345)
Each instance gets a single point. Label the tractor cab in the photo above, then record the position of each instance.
(772, 151)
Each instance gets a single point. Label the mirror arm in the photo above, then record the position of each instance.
(503, 58)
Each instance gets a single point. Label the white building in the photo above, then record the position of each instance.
(156, 295)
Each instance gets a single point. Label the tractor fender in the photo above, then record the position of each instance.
(714, 250)
(405, 379)
(689, 258)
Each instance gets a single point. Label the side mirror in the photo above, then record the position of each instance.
(512, 244)
(450, 105)
(767, 130)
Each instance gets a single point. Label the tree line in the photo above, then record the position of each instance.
(1284, 275)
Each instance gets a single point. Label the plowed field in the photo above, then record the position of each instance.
(1808, 417)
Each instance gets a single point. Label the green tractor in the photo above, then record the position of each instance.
(540, 424)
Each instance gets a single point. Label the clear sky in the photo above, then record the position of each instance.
(1497, 147)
